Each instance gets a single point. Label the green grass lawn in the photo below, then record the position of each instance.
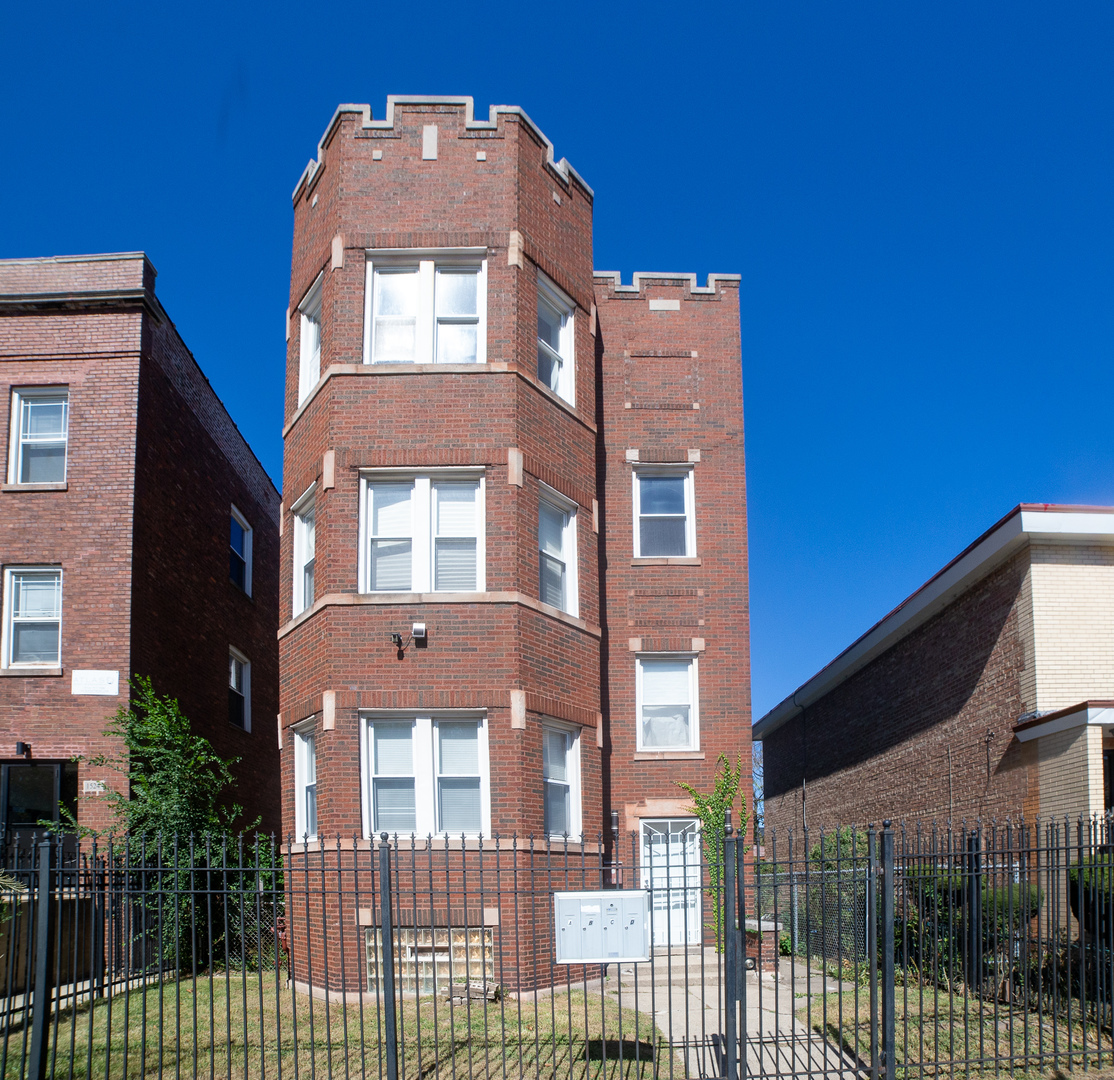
(232, 1026)
(943, 1034)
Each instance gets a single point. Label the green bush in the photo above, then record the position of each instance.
(1091, 893)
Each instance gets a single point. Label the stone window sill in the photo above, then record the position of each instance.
(36, 487)
(29, 672)
(668, 560)
(669, 755)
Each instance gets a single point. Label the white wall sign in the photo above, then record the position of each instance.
(611, 926)
(106, 683)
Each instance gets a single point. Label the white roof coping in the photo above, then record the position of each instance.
(562, 168)
(1089, 712)
(1026, 523)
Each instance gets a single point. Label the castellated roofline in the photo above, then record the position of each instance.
(562, 168)
(646, 275)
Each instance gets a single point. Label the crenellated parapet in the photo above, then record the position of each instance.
(640, 277)
(561, 168)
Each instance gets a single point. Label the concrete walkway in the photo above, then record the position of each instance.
(683, 994)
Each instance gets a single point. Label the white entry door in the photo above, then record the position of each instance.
(671, 870)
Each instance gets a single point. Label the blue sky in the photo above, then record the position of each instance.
(918, 197)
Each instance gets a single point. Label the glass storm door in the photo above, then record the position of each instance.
(671, 870)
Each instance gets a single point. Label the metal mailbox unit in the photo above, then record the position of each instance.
(610, 926)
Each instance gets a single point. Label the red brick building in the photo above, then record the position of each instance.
(530, 473)
(138, 534)
(985, 694)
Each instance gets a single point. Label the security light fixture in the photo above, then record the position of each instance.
(22, 749)
(417, 632)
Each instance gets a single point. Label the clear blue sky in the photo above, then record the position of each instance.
(917, 195)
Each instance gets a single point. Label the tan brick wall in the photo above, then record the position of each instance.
(1070, 769)
(1073, 623)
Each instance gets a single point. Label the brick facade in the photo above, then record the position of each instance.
(140, 529)
(662, 378)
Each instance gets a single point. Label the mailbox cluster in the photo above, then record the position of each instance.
(606, 927)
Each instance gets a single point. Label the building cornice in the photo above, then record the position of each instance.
(1027, 523)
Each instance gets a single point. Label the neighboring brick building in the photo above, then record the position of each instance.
(983, 695)
(541, 466)
(126, 481)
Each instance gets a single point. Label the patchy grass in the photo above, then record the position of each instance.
(234, 1025)
(942, 1034)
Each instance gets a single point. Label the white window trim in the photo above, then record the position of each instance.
(694, 700)
(247, 687)
(422, 547)
(576, 824)
(566, 387)
(425, 767)
(689, 474)
(15, 450)
(309, 309)
(6, 632)
(243, 522)
(572, 577)
(308, 497)
(300, 733)
(426, 260)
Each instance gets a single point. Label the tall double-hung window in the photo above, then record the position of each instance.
(40, 433)
(309, 349)
(32, 631)
(422, 533)
(555, 339)
(557, 584)
(425, 308)
(426, 774)
(664, 518)
(667, 700)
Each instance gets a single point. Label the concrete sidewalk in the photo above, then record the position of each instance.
(683, 995)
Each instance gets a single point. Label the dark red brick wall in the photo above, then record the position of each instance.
(85, 529)
(905, 737)
(671, 382)
(141, 534)
(185, 610)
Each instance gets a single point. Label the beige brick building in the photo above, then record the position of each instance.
(987, 693)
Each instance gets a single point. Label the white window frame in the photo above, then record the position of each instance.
(694, 700)
(422, 548)
(689, 475)
(309, 339)
(15, 457)
(566, 354)
(576, 826)
(6, 633)
(426, 262)
(425, 767)
(235, 654)
(546, 494)
(308, 501)
(303, 733)
(248, 536)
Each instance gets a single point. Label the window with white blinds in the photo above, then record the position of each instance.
(561, 781)
(423, 534)
(667, 698)
(305, 551)
(557, 584)
(426, 775)
(309, 340)
(425, 308)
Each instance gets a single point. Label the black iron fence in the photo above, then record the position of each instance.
(849, 952)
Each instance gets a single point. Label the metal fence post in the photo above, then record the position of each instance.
(387, 931)
(973, 896)
(731, 947)
(872, 943)
(43, 996)
(888, 1064)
